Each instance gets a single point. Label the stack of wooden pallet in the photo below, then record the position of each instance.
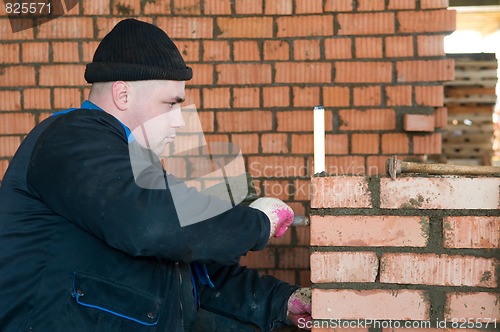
(471, 99)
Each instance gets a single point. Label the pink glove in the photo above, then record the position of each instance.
(280, 215)
(299, 308)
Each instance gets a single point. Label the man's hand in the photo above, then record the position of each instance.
(280, 215)
(299, 307)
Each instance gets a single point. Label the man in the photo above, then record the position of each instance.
(85, 247)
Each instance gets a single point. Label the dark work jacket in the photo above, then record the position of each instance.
(84, 249)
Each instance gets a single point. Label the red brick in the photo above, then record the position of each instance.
(66, 97)
(278, 7)
(67, 28)
(474, 305)
(187, 27)
(105, 24)
(395, 143)
(306, 49)
(368, 47)
(366, 24)
(16, 123)
(419, 122)
(303, 72)
(371, 5)
(301, 193)
(3, 168)
(88, 50)
(65, 52)
(441, 117)
(471, 232)
(336, 144)
(425, 70)
(370, 119)
(248, 6)
(245, 27)
(336, 96)
(62, 75)
(187, 7)
(158, 7)
(285, 275)
(309, 7)
(33, 52)
(398, 95)
(432, 4)
(369, 231)
(363, 72)
(338, 5)
(248, 143)
(432, 45)
(96, 7)
(259, 259)
(202, 74)
(305, 96)
(192, 97)
(429, 95)
(338, 48)
(7, 33)
(444, 192)
(426, 21)
(9, 53)
(128, 8)
(207, 121)
(243, 73)
(17, 76)
(246, 97)
(274, 143)
(293, 257)
(190, 50)
(350, 165)
(276, 50)
(375, 165)
(304, 26)
(244, 121)
(367, 96)
(10, 100)
(216, 98)
(280, 189)
(340, 192)
(374, 304)
(276, 96)
(365, 143)
(246, 51)
(433, 269)
(9, 145)
(401, 4)
(216, 50)
(305, 279)
(301, 234)
(276, 166)
(297, 121)
(428, 144)
(399, 46)
(343, 267)
(36, 99)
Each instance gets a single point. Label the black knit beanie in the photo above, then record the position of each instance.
(137, 51)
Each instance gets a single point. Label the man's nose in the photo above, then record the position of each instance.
(177, 119)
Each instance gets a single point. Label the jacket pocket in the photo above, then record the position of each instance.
(118, 300)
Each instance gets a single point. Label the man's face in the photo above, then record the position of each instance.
(156, 110)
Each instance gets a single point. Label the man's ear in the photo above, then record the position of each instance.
(121, 94)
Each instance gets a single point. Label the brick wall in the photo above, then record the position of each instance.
(259, 68)
(418, 248)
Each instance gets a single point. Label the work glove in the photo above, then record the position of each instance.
(280, 215)
(299, 308)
